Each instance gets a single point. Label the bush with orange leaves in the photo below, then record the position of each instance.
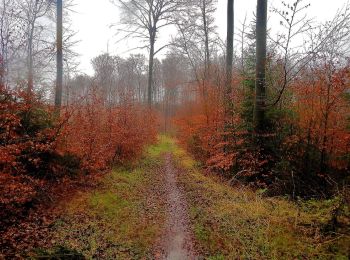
(321, 139)
(38, 150)
(203, 130)
(101, 135)
(27, 150)
(306, 149)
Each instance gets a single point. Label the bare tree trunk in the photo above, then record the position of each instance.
(2, 71)
(260, 86)
(30, 63)
(323, 162)
(59, 80)
(243, 32)
(30, 51)
(229, 56)
(150, 70)
(206, 40)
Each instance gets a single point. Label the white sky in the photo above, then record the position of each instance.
(92, 20)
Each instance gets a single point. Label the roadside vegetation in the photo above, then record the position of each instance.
(123, 217)
(120, 219)
(237, 222)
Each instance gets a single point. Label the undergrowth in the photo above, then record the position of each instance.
(235, 223)
(122, 219)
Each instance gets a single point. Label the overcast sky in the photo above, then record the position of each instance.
(92, 20)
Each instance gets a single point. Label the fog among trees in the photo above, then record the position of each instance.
(188, 146)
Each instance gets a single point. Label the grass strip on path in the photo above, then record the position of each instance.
(122, 219)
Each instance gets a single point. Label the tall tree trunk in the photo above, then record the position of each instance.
(30, 63)
(150, 70)
(206, 40)
(59, 79)
(260, 86)
(323, 162)
(2, 71)
(229, 56)
(30, 52)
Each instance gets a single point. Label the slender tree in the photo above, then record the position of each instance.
(59, 79)
(26, 41)
(229, 54)
(32, 11)
(197, 37)
(143, 19)
(106, 67)
(11, 37)
(207, 9)
(260, 86)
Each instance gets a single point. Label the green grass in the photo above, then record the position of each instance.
(241, 224)
(165, 144)
(122, 219)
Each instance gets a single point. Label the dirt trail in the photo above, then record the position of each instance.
(177, 242)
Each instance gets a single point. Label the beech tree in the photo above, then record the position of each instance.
(137, 66)
(59, 45)
(105, 67)
(260, 86)
(143, 19)
(32, 11)
(198, 41)
(197, 38)
(11, 36)
(229, 54)
(175, 77)
(27, 43)
(206, 28)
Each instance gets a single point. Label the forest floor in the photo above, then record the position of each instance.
(165, 207)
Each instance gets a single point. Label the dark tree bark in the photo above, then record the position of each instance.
(59, 80)
(260, 86)
(229, 56)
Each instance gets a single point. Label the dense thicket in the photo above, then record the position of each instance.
(40, 152)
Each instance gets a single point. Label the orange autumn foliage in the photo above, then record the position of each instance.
(101, 135)
(39, 150)
(201, 129)
(26, 148)
(308, 143)
(323, 113)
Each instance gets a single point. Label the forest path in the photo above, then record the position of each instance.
(164, 207)
(177, 241)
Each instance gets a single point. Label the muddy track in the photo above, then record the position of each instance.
(177, 242)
